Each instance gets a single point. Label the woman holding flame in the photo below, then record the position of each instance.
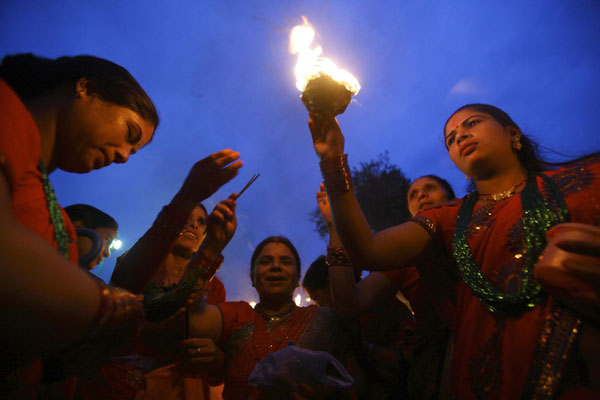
(521, 323)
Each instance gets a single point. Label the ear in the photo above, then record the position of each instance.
(82, 88)
(515, 133)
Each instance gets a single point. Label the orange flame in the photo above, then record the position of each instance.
(310, 65)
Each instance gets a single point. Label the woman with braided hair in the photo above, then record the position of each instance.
(511, 338)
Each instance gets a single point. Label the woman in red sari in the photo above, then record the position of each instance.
(511, 339)
(248, 335)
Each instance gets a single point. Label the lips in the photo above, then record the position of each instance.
(275, 279)
(425, 204)
(467, 148)
(106, 159)
(189, 234)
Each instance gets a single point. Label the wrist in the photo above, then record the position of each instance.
(337, 176)
(207, 262)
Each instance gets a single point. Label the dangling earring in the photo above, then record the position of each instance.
(468, 177)
(516, 144)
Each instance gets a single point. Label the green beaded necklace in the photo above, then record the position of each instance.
(538, 217)
(56, 216)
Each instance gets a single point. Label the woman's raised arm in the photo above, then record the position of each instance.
(392, 248)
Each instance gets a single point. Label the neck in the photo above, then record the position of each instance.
(502, 181)
(176, 262)
(273, 307)
(44, 112)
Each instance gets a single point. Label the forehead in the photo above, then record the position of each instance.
(106, 232)
(422, 182)
(198, 212)
(276, 248)
(457, 118)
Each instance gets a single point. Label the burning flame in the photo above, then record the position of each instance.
(310, 65)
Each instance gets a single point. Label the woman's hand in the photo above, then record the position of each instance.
(569, 268)
(208, 175)
(323, 202)
(328, 140)
(221, 225)
(200, 353)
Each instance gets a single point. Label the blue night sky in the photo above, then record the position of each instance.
(221, 77)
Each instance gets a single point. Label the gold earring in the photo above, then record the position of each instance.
(516, 144)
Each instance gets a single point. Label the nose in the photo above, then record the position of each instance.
(105, 251)
(461, 136)
(422, 193)
(122, 154)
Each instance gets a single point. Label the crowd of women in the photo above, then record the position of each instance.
(500, 289)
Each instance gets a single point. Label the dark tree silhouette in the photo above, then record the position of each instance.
(381, 192)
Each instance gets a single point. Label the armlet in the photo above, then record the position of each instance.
(425, 223)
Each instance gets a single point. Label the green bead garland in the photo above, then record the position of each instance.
(56, 216)
(538, 217)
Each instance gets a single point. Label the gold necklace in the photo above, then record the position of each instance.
(501, 195)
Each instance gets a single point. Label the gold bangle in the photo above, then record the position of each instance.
(171, 219)
(336, 256)
(337, 176)
(207, 266)
(117, 320)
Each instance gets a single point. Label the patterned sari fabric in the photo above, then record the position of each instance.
(518, 356)
(248, 337)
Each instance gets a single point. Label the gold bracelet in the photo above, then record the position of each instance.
(117, 320)
(171, 219)
(336, 256)
(207, 266)
(337, 176)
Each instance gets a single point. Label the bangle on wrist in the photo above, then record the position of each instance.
(337, 256)
(208, 266)
(171, 219)
(337, 176)
(118, 319)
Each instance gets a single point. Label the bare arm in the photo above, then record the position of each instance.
(33, 277)
(207, 324)
(392, 248)
(351, 299)
(143, 261)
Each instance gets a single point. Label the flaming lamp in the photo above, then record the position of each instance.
(325, 87)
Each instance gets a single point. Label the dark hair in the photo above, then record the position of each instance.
(31, 76)
(91, 217)
(273, 239)
(443, 184)
(317, 275)
(529, 155)
(202, 207)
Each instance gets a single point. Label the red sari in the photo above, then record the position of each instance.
(248, 337)
(495, 356)
(19, 158)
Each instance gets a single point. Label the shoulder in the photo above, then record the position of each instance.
(19, 136)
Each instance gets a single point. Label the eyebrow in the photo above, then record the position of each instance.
(464, 124)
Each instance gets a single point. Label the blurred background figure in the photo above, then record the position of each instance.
(87, 216)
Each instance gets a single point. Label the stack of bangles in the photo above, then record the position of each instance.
(336, 175)
(207, 266)
(336, 256)
(171, 219)
(117, 321)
